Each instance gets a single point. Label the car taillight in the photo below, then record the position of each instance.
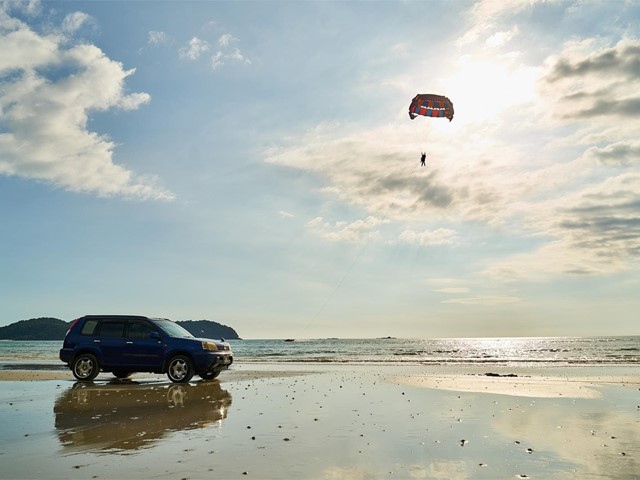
(72, 325)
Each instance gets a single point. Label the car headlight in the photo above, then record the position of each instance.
(210, 346)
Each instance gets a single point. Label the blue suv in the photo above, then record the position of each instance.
(123, 345)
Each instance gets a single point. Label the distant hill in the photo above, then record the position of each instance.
(209, 329)
(47, 328)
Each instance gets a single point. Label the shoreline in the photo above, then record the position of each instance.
(548, 381)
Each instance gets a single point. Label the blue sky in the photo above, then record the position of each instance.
(253, 163)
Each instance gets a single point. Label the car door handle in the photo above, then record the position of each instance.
(96, 341)
(129, 343)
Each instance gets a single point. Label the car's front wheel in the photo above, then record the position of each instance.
(85, 367)
(180, 369)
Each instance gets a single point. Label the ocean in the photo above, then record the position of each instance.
(539, 351)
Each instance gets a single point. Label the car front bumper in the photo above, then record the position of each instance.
(208, 361)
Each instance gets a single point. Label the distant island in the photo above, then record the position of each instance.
(47, 328)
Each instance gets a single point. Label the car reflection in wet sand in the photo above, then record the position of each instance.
(126, 415)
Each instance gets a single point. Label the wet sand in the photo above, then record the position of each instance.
(325, 422)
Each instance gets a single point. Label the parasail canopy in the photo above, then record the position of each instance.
(430, 105)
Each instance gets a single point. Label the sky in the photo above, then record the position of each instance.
(254, 163)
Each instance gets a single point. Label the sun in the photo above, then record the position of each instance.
(481, 89)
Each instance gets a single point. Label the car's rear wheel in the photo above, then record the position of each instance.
(210, 375)
(180, 369)
(85, 367)
(121, 374)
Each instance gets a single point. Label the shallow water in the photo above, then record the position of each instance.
(337, 421)
(499, 351)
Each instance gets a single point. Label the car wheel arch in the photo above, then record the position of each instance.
(91, 351)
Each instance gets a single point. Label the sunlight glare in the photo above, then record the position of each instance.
(483, 89)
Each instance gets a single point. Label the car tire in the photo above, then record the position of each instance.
(85, 367)
(180, 369)
(210, 375)
(121, 374)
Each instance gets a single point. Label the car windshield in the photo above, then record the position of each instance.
(171, 328)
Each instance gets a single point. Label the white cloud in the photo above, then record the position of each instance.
(20, 48)
(194, 49)
(238, 56)
(157, 38)
(358, 231)
(621, 154)
(225, 53)
(440, 236)
(452, 290)
(500, 38)
(225, 40)
(377, 169)
(486, 13)
(45, 133)
(29, 7)
(593, 231)
(74, 21)
(217, 60)
(586, 82)
(220, 58)
(400, 49)
(486, 300)
(588, 216)
(284, 214)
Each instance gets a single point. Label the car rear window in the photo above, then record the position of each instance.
(112, 329)
(89, 327)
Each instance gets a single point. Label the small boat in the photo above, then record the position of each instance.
(289, 340)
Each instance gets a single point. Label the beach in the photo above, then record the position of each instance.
(326, 421)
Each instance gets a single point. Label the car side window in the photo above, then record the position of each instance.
(139, 330)
(89, 327)
(112, 329)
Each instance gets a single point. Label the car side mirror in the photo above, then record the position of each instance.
(154, 335)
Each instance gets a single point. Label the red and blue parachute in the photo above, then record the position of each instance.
(431, 105)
